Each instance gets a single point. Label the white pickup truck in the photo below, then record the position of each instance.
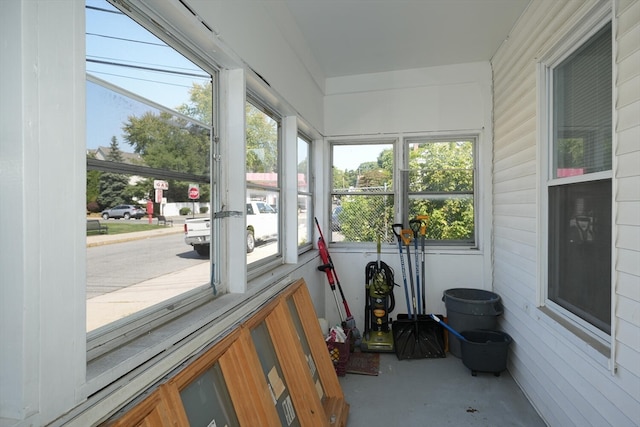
(262, 224)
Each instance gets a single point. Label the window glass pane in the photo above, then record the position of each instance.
(449, 217)
(580, 241)
(262, 148)
(305, 213)
(263, 186)
(362, 197)
(366, 168)
(582, 109)
(262, 225)
(441, 167)
(149, 125)
(363, 218)
(441, 187)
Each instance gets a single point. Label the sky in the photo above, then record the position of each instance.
(113, 38)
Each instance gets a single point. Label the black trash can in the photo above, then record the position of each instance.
(469, 309)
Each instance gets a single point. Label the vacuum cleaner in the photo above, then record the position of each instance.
(379, 303)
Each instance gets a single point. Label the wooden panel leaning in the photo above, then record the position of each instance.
(272, 370)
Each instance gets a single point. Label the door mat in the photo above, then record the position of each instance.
(363, 363)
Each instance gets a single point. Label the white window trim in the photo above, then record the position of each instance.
(596, 344)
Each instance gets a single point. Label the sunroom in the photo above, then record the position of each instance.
(513, 126)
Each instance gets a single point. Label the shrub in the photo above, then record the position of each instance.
(204, 209)
(93, 207)
(185, 211)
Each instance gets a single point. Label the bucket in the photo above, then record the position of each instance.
(485, 351)
(469, 309)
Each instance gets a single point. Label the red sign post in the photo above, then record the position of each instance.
(194, 194)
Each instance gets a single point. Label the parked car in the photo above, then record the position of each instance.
(124, 211)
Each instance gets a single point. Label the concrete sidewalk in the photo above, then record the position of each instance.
(112, 306)
(106, 239)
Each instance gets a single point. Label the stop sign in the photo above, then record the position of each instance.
(194, 192)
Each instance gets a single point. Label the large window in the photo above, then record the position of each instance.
(579, 185)
(436, 185)
(149, 127)
(263, 184)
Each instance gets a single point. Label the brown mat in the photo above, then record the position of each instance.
(363, 363)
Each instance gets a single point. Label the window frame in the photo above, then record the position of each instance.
(302, 248)
(399, 188)
(269, 262)
(546, 65)
(111, 336)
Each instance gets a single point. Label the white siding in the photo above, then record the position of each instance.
(567, 380)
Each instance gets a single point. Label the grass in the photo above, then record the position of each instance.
(120, 226)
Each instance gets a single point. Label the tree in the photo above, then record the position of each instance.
(443, 170)
(201, 103)
(112, 185)
(93, 187)
(262, 141)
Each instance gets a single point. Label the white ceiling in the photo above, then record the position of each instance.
(349, 37)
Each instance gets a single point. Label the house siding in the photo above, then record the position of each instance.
(564, 376)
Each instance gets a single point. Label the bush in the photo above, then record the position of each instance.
(93, 207)
(185, 211)
(204, 209)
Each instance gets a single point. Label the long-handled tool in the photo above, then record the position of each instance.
(423, 234)
(397, 228)
(329, 268)
(449, 328)
(414, 335)
(415, 225)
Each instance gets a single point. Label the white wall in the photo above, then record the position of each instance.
(428, 101)
(565, 376)
(262, 34)
(42, 241)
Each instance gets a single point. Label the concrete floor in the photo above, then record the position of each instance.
(435, 392)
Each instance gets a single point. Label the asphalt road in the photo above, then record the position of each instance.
(115, 266)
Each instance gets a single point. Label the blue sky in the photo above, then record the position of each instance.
(113, 38)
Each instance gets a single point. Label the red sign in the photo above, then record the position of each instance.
(194, 192)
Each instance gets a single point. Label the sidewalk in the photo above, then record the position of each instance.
(112, 306)
(106, 239)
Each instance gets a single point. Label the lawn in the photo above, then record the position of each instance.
(118, 226)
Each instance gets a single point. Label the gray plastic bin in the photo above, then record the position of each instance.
(469, 309)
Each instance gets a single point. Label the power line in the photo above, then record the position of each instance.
(126, 40)
(168, 68)
(140, 67)
(137, 78)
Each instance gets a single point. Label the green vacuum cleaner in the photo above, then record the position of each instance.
(379, 303)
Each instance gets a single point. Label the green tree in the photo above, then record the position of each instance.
(112, 186)
(167, 142)
(200, 106)
(262, 141)
(443, 171)
(93, 187)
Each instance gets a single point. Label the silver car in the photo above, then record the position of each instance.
(124, 211)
